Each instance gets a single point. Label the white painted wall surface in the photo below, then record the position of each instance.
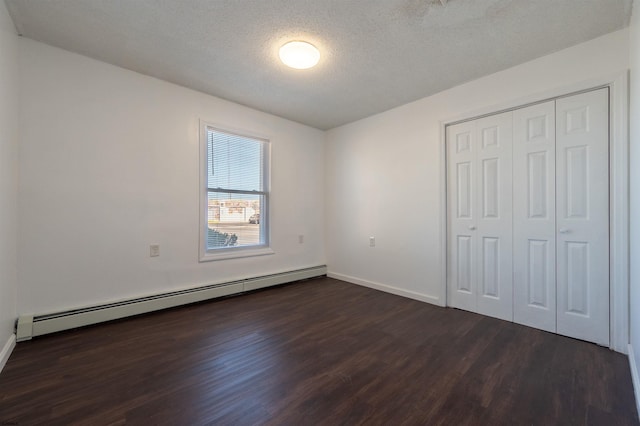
(8, 174)
(384, 172)
(634, 202)
(109, 165)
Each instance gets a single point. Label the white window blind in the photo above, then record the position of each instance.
(237, 193)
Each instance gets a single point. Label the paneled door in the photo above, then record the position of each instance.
(534, 216)
(461, 199)
(528, 221)
(479, 197)
(494, 215)
(582, 219)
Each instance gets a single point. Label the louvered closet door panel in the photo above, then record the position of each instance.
(583, 216)
(534, 236)
(461, 200)
(493, 216)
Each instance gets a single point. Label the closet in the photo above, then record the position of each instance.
(528, 215)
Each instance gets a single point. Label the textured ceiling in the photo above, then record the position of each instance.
(376, 54)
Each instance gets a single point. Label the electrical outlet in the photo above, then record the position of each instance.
(300, 239)
(372, 241)
(154, 250)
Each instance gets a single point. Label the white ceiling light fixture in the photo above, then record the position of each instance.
(299, 55)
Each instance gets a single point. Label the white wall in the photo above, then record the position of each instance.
(8, 174)
(384, 172)
(634, 163)
(109, 165)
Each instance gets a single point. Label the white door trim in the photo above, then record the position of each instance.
(618, 189)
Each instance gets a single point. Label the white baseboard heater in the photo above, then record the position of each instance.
(29, 326)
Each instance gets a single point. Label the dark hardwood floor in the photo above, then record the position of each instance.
(316, 352)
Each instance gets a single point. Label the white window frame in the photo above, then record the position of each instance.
(207, 254)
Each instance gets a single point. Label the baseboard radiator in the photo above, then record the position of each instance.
(29, 326)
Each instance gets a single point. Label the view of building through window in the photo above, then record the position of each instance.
(236, 193)
(233, 220)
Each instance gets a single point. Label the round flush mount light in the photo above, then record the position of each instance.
(299, 55)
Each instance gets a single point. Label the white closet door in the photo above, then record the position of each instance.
(534, 211)
(582, 197)
(493, 232)
(461, 196)
(479, 201)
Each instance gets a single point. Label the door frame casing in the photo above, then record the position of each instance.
(618, 84)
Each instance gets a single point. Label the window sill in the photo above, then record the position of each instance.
(235, 253)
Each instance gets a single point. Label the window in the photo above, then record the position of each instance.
(235, 195)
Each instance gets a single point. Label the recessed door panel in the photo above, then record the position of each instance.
(491, 267)
(464, 190)
(464, 254)
(577, 278)
(538, 173)
(577, 120)
(463, 141)
(490, 137)
(577, 182)
(537, 126)
(490, 188)
(538, 285)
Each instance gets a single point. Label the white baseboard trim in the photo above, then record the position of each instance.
(386, 288)
(634, 377)
(6, 351)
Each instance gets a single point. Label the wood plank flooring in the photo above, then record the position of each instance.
(320, 352)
